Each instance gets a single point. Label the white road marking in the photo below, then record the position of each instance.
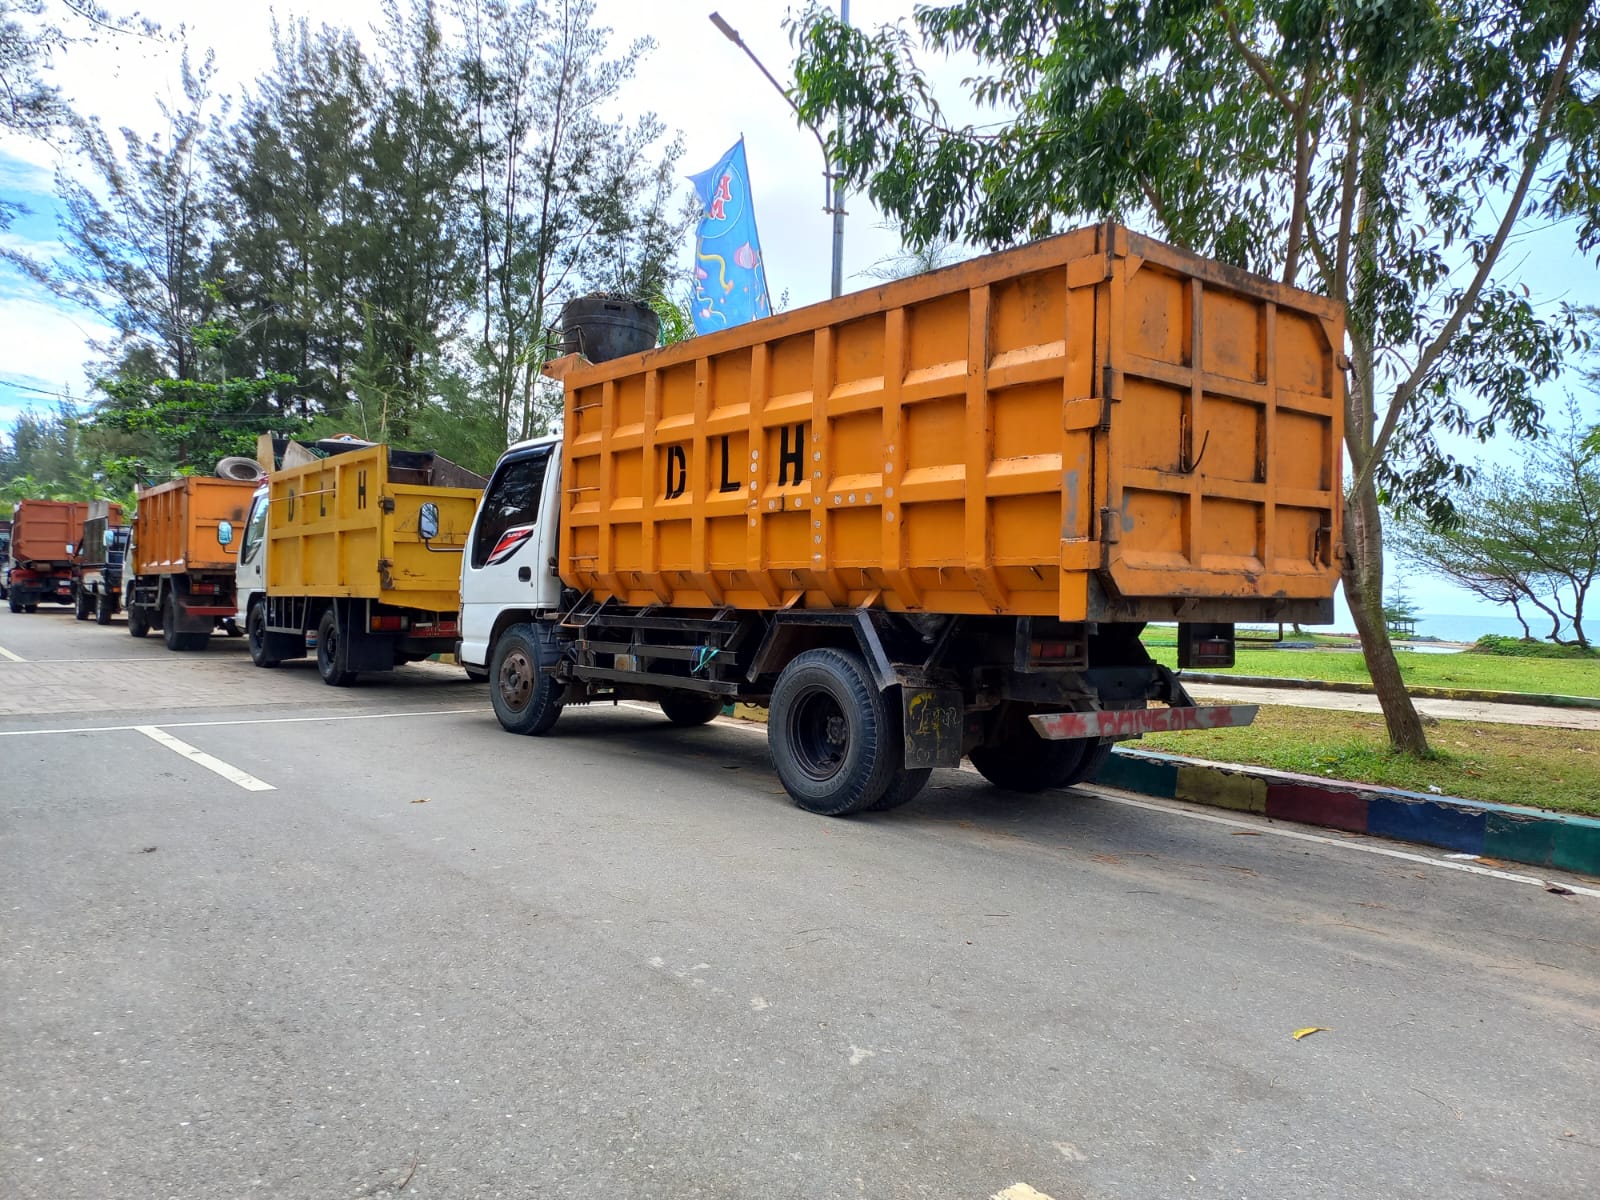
(200, 758)
(1272, 830)
(10, 657)
(438, 712)
(1364, 847)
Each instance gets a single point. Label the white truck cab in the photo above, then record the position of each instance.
(508, 572)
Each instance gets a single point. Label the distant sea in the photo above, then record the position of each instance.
(1454, 627)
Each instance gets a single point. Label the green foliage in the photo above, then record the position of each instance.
(1527, 536)
(677, 319)
(1508, 647)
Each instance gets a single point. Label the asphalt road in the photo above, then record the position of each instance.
(373, 946)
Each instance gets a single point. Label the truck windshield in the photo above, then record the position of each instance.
(512, 499)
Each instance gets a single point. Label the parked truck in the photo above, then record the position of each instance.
(928, 520)
(356, 557)
(43, 537)
(5, 556)
(97, 563)
(182, 580)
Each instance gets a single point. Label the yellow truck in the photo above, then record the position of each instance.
(928, 520)
(356, 557)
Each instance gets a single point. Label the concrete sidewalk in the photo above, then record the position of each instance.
(1444, 710)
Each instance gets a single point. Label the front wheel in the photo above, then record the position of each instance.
(80, 604)
(687, 708)
(831, 734)
(138, 620)
(331, 657)
(255, 624)
(526, 696)
(475, 675)
(102, 609)
(16, 604)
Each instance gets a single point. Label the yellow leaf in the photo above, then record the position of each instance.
(1309, 1030)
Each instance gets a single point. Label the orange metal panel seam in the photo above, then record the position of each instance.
(817, 469)
(894, 460)
(1270, 473)
(979, 438)
(608, 422)
(1192, 438)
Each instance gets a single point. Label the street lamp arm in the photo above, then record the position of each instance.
(732, 34)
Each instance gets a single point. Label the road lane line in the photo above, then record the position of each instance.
(438, 712)
(1339, 843)
(200, 758)
(1272, 830)
(10, 657)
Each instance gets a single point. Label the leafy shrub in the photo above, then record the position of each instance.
(1510, 647)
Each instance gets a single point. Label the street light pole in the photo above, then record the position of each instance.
(832, 184)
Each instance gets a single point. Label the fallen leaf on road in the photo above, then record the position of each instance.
(1557, 889)
(1300, 1034)
(424, 800)
(1245, 833)
(148, 850)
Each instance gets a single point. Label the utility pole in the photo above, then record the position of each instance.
(832, 185)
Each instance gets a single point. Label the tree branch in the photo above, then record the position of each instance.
(1258, 65)
(1469, 299)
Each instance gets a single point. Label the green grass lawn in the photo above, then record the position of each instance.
(1556, 769)
(1489, 672)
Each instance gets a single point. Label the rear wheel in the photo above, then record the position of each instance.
(331, 657)
(80, 604)
(170, 633)
(138, 620)
(16, 605)
(1022, 761)
(686, 708)
(526, 696)
(30, 608)
(905, 785)
(102, 609)
(256, 630)
(830, 733)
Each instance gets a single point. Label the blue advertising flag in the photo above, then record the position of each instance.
(730, 280)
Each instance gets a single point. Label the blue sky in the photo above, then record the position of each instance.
(45, 341)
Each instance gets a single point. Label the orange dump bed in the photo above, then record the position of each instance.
(175, 527)
(41, 530)
(1094, 427)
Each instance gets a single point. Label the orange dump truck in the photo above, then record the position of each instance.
(180, 577)
(930, 519)
(44, 534)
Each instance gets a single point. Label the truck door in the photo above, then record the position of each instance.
(251, 574)
(507, 563)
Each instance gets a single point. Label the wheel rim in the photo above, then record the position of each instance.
(819, 732)
(328, 648)
(516, 680)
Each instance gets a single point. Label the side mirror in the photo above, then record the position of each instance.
(110, 539)
(428, 521)
(225, 532)
(69, 549)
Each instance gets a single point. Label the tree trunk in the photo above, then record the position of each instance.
(1363, 588)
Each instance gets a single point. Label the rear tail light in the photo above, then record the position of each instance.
(1047, 651)
(388, 624)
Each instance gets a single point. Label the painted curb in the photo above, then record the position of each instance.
(1524, 835)
(1366, 689)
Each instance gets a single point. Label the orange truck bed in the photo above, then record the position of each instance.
(41, 530)
(175, 527)
(1093, 427)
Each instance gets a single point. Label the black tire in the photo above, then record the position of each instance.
(476, 675)
(687, 708)
(176, 640)
(138, 621)
(527, 698)
(331, 658)
(831, 734)
(255, 624)
(231, 628)
(1022, 761)
(33, 608)
(16, 605)
(905, 785)
(102, 609)
(80, 604)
